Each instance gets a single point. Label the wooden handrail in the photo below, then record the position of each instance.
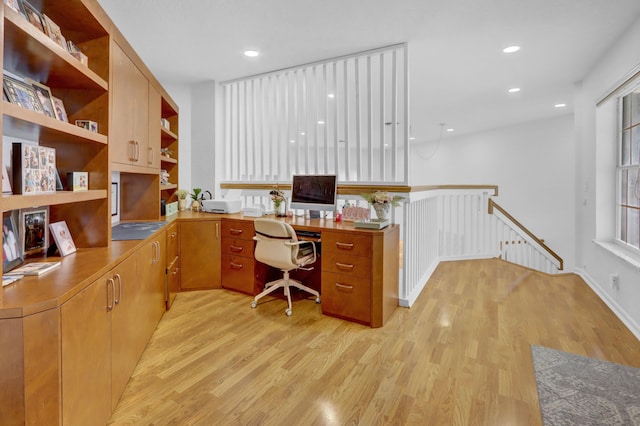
(493, 205)
(357, 189)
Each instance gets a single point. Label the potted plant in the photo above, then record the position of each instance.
(382, 202)
(182, 198)
(196, 196)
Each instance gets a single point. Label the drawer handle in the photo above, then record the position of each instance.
(235, 231)
(346, 287)
(174, 234)
(344, 266)
(235, 265)
(236, 249)
(344, 246)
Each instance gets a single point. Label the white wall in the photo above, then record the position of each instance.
(595, 263)
(532, 164)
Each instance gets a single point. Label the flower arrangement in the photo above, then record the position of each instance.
(277, 197)
(182, 194)
(382, 197)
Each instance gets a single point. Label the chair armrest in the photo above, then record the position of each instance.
(300, 243)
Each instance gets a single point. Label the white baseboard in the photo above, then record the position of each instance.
(633, 326)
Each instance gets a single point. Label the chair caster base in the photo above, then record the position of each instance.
(288, 312)
(254, 304)
(317, 300)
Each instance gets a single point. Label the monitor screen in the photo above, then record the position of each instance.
(314, 192)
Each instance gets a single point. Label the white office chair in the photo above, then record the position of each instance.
(278, 246)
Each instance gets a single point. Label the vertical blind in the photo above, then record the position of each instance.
(346, 116)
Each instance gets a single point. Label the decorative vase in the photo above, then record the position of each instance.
(195, 205)
(382, 210)
(182, 203)
(280, 209)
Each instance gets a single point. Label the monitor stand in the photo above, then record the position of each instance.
(314, 214)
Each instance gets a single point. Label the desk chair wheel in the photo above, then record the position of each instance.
(288, 312)
(254, 304)
(317, 300)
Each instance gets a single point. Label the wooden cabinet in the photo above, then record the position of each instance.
(200, 254)
(173, 264)
(360, 275)
(168, 130)
(98, 345)
(238, 263)
(152, 280)
(129, 138)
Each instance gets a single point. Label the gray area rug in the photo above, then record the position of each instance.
(576, 390)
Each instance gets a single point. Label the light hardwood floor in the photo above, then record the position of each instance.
(460, 356)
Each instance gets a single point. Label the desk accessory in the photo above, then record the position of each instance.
(253, 211)
(371, 224)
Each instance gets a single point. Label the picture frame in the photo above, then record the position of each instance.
(34, 169)
(11, 251)
(62, 238)
(16, 5)
(33, 15)
(58, 107)
(114, 198)
(45, 97)
(78, 181)
(34, 224)
(6, 183)
(54, 32)
(21, 93)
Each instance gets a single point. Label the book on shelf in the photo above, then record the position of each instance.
(34, 268)
(371, 223)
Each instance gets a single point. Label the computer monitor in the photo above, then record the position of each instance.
(314, 193)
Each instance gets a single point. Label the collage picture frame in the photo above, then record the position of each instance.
(21, 93)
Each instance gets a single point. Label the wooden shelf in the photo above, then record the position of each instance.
(168, 187)
(167, 135)
(38, 52)
(168, 160)
(15, 202)
(22, 123)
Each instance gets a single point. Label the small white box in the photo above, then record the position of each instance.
(253, 211)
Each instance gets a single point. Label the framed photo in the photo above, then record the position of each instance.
(62, 237)
(53, 31)
(114, 198)
(35, 224)
(34, 169)
(15, 5)
(78, 181)
(33, 15)
(45, 98)
(21, 93)
(6, 183)
(11, 253)
(58, 107)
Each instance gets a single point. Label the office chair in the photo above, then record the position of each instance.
(278, 246)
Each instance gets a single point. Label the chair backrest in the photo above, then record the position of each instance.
(271, 248)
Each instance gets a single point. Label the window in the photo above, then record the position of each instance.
(628, 170)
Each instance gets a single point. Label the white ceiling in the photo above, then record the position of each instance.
(459, 75)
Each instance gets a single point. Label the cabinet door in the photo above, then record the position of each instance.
(173, 264)
(125, 335)
(152, 281)
(86, 360)
(129, 133)
(200, 254)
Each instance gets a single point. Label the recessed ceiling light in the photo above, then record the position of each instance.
(450, 129)
(320, 122)
(292, 141)
(560, 105)
(514, 90)
(511, 49)
(302, 133)
(331, 95)
(251, 53)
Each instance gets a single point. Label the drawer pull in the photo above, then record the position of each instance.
(344, 266)
(236, 249)
(344, 286)
(344, 246)
(235, 265)
(235, 231)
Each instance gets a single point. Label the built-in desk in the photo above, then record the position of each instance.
(358, 271)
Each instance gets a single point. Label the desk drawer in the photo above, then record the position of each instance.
(346, 264)
(237, 273)
(238, 229)
(346, 243)
(237, 247)
(346, 297)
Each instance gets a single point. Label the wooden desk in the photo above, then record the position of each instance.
(358, 272)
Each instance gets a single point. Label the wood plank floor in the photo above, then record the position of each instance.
(460, 356)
